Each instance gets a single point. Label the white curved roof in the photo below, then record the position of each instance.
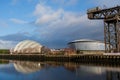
(26, 44)
(84, 40)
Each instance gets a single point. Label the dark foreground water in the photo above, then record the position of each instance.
(26, 70)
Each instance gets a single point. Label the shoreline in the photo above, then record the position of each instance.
(108, 59)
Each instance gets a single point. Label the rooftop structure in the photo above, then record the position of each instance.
(84, 40)
(27, 46)
(87, 45)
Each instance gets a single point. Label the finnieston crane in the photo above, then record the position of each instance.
(111, 17)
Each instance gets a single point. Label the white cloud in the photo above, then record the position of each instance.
(18, 21)
(57, 26)
(7, 44)
(65, 25)
(41, 9)
(70, 25)
(45, 14)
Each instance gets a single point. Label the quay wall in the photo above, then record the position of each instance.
(90, 52)
(114, 59)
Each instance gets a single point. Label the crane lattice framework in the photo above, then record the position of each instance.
(111, 17)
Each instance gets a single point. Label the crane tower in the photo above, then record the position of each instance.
(111, 17)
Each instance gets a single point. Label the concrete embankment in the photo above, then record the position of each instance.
(64, 58)
(35, 57)
(31, 57)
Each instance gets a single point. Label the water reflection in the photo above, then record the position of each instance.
(26, 66)
(4, 61)
(25, 70)
(91, 69)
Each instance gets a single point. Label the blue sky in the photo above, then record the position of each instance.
(52, 23)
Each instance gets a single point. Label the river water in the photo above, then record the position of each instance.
(26, 70)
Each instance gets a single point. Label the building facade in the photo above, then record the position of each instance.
(87, 46)
(27, 46)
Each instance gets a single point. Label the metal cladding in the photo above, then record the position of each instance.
(27, 46)
(87, 44)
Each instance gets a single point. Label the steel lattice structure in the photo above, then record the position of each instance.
(111, 17)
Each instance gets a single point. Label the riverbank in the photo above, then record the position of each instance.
(113, 59)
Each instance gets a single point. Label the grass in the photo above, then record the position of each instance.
(4, 51)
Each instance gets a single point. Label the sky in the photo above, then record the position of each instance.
(52, 23)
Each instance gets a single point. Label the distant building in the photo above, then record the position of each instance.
(64, 51)
(27, 46)
(69, 51)
(87, 46)
(56, 51)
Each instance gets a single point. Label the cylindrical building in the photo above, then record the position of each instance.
(87, 45)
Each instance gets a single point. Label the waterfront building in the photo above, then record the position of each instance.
(27, 46)
(64, 51)
(87, 46)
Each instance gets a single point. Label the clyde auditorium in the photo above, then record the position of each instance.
(27, 46)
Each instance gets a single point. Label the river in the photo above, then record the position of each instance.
(26, 70)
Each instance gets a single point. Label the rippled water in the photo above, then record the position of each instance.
(26, 70)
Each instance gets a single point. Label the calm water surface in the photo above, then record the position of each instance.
(26, 70)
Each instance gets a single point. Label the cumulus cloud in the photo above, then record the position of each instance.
(45, 14)
(60, 26)
(56, 27)
(18, 21)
